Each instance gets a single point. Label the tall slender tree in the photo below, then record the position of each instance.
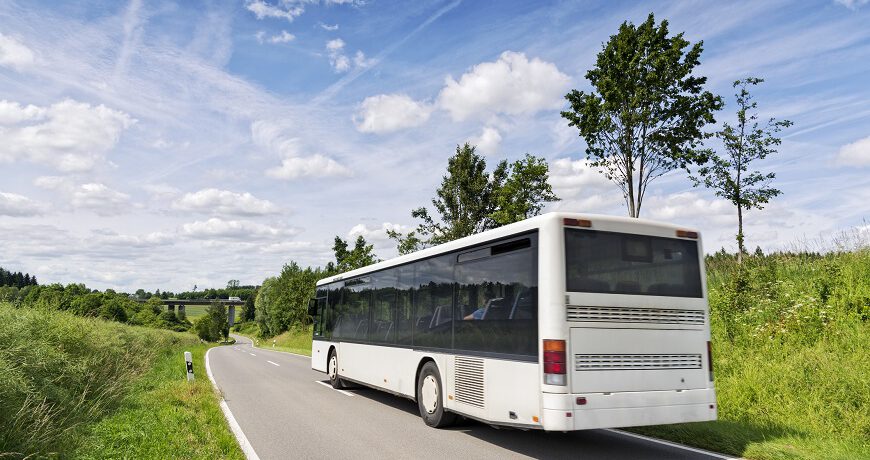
(748, 140)
(646, 112)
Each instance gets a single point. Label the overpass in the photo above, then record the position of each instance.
(181, 303)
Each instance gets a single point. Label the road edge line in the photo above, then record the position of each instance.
(272, 350)
(236, 429)
(674, 444)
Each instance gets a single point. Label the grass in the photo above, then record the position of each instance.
(296, 340)
(195, 311)
(791, 358)
(73, 386)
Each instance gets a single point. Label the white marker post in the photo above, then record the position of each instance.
(188, 358)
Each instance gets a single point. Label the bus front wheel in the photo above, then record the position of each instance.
(332, 371)
(430, 399)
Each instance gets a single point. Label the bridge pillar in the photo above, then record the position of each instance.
(171, 308)
(231, 315)
(181, 309)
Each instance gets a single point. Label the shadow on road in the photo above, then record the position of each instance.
(592, 444)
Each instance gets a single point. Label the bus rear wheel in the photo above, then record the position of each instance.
(430, 399)
(332, 371)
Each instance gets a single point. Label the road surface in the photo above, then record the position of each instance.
(286, 410)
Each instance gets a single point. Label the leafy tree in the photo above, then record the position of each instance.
(728, 175)
(346, 259)
(217, 314)
(88, 304)
(113, 309)
(249, 310)
(282, 301)
(470, 200)
(232, 284)
(645, 114)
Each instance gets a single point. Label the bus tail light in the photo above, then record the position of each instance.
(710, 359)
(577, 223)
(687, 234)
(554, 362)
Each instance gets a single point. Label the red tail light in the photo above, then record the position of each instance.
(554, 362)
(710, 359)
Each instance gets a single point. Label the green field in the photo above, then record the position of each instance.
(78, 387)
(195, 311)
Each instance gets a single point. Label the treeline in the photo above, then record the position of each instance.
(16, 279)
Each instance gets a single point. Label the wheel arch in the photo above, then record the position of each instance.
(423, 361)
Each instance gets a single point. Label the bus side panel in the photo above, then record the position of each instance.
(389, 368)
(320, 354)
(512, 388)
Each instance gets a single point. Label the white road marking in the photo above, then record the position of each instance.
(252, 354)
(275, 364)
(330, 387)
(277, 351)
(673, 444)
(246, 446)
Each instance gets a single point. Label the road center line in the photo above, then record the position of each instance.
(252, 354)
(275, 364)
(330, 387)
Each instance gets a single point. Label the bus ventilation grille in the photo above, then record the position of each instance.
(636, 362)
(635, 315)
(469, 381)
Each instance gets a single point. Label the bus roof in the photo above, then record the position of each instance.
(501, 232)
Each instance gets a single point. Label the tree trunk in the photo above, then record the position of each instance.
(740, 248)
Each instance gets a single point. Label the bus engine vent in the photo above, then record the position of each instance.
(636, 362)
(635, 315)
(469, 381)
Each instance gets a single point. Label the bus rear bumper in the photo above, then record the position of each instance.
(563, 412)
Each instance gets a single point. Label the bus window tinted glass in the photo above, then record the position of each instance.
(333, 302)
(404, 306)
(382, 328)
(352, 320)
(497, 304)
(618, 263)
(433, 302)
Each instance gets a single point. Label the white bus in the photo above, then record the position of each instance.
(560, 322)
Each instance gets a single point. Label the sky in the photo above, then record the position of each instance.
(163, 144)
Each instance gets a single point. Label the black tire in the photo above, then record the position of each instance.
(332, 371)
(432, 407)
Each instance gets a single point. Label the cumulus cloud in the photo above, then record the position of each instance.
(377, 236)
(855, 154)
(331, 28)
(390, 112)
(295, 164)
(339, 60)
(70, 136)
(241, 230)
(309, 166)
(105, 237)
(513, 84)
(689, 206)
(283, 37)
(212, 200)
(14, 205)
(100, 199)
(264, 10)
(14, 54)
(852, 4)
(488, 142)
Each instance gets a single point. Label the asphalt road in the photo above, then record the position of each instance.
(285, 412)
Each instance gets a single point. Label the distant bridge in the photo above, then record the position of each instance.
(181, 303)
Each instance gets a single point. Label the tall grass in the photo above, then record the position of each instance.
(60, 373)
(791, 335)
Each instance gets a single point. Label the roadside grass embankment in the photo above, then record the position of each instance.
(78, 387)
(791, 344)
(296, 340)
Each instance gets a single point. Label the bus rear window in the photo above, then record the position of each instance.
(621, 263)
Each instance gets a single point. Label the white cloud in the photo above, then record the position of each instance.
(242, 230)
(688, 206)
(159, 191)
(488, 142)
(340, 62)
(331, 28)
(513, 85)
(361, 61)
(283, 37)
(69, 135)
(855, 154)
(100, 199)
(295, 163)
(307, 166)
(14, 205)
(212, 200)
(571, 178)
(14, 54)
(390, 112)
(264, 10)
(852, 4)
(377, 236)
(103, 237)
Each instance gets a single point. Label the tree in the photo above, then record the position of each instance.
(360, 256)
(470, 200)
(232, 284)
(645, 114)
(728, 175)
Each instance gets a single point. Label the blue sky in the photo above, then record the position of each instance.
(162, 144)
